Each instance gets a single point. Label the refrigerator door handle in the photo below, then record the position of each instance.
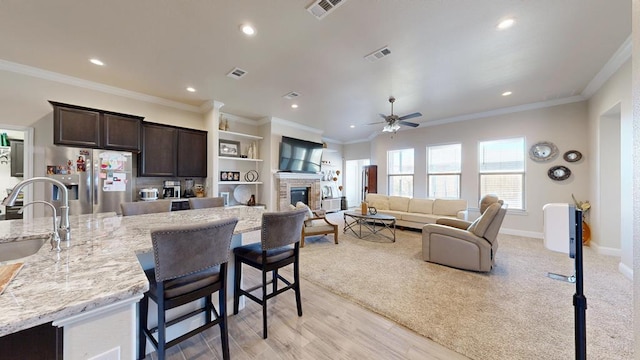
(96, 180)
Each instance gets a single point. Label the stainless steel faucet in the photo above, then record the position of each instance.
(63, 228)
(55, 237)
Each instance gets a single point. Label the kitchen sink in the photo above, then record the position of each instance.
(19, 249)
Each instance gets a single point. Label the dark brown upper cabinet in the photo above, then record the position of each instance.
(192, 153)
(171, 151)
(121, 132)
(85, 127)
(159, 153)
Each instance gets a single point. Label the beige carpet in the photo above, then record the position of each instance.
(514, 312)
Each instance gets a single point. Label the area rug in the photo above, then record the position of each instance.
(513, 312)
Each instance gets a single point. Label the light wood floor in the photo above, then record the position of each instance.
(330, 328)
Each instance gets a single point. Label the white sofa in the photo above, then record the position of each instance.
(415, 213)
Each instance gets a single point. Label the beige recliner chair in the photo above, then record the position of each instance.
(462, 244)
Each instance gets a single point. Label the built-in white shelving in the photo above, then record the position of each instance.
(225, 134)
(243, 165)
(238, 158)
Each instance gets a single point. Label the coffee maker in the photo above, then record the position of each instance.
(170, 189)
(188, 188)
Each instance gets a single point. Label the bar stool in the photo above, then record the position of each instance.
(279, 247)
(145, 207)
(190, 264)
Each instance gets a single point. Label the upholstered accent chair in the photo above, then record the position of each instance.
(190, 264)
(205, 202)
(463, 244)
(279, 246)
(316, 223)
(145, 207)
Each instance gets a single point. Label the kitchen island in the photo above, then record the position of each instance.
(99, 267)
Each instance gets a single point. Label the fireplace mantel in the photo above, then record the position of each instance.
(294, 175)
(286, 180)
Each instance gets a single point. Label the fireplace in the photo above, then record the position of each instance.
(289, 184)
(299, 194)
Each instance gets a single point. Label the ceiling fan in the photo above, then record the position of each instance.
(394, 121)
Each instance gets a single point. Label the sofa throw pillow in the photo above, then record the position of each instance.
(448, 207)
(378, 201)
(399, 203)
(301, 205)
(480, 226)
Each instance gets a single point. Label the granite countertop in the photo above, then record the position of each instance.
(96, 268)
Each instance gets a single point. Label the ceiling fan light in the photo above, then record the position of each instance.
(391, 128)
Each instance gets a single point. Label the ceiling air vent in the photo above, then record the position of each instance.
(378, 54)
(237, 73)
(291, 95)
(321, 8)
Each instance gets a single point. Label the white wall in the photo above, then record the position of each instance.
(23, 101)
(564, 125)
(635, 85)
(611, 139)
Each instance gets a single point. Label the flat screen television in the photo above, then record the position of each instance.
(300, 155)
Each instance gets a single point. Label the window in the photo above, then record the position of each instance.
(400, 172)
(444, 164)
(502, 170)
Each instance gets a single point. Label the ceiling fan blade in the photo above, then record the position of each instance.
(383, 116)
(407, 123)
(410, 116)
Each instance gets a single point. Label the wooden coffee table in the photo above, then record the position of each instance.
(373, 224)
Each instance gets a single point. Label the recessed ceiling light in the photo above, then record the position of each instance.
(248, 29)
(96, 62)
(505, 24)
(506, 93)
(190, 89)
(352, 126)
(294, 106)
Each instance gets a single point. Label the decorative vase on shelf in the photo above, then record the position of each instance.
(250, 154)
(220, 123)
(586, 233)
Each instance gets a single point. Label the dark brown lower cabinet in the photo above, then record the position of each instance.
(42, 342)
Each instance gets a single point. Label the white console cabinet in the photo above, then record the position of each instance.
(331, 205)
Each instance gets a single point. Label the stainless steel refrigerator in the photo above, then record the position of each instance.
(97, 180)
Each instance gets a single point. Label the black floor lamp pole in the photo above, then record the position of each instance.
(579, 300)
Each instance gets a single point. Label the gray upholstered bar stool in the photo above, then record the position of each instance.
(191, 264)
(145, 207)
(205, 202)
(279, 247)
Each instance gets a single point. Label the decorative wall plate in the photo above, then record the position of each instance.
(559, 173)
(572, 156)
(543, 151)
(242, 194)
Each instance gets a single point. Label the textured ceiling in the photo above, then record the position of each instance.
(447, 58)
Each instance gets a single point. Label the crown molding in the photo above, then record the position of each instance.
(485, 114)
(288, 123)
(615, 62)
(209, 105)
(240, 119)
(85, 84)
(507, 110)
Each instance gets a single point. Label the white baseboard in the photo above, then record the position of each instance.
(626, 271)
(606, 250)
